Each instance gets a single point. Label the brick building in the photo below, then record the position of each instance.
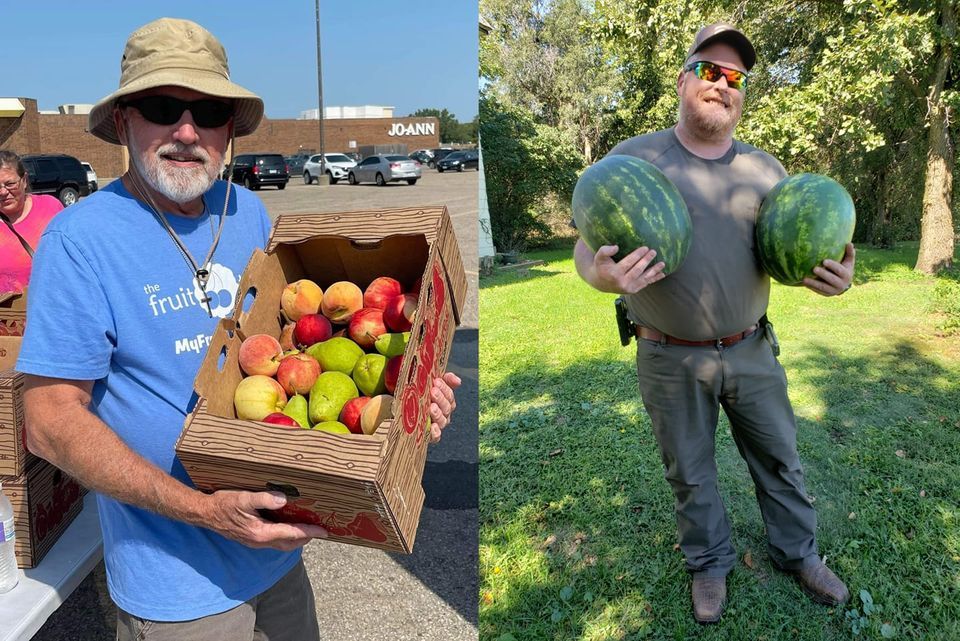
(32, 132)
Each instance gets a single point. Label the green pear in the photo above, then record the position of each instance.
(296, 408)
(392, 344)
(328, 396)
(338, 354)
(369, 374)
(332, 426)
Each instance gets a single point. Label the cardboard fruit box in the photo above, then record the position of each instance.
(14, 457)
(45, 501)
(13, 315)
(365, 489)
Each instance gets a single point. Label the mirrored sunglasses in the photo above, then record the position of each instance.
(167, 110)
(712, 72)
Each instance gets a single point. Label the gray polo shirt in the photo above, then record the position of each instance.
(720, 289)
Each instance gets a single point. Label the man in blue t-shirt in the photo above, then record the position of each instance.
(126, 290)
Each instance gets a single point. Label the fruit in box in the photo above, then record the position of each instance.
(350, 414)
(368, 374)
(297, 373)
(392, 344)
(379, 409)
(328, 396)
(335, 427)
(399, 312)
(279, 418)
(380, 291)
(258, 396)
(339, 354)
(341, 301)
(391, 373)
(366, 327)
(286, 337)
(312, 329)
(260, 354)
(301, 298)
(297, 409)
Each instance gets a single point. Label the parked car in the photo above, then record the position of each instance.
(460, 160)
(295, 164)
(438, 155)
(254, 171)
(337, 167)
(422, 157)
(57, 174)
(383, 169)
(91, 176)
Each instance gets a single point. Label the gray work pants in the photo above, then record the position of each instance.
(683, 389)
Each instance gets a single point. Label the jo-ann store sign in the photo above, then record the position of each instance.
(417, 129)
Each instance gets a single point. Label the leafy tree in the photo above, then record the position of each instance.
(450, 129)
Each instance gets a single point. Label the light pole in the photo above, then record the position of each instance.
(323, 178)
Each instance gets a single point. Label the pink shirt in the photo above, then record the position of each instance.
(14, 260)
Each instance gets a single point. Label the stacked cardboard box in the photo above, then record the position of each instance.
(365, 489)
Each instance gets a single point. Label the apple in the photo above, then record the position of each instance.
(260, 354)
(341, 301)
(301, 297)
(378, 410)
(350, 414)
(279, 418)
(380, 291)
(391, 373)
(312, 329)
(258, 396)
(297, 373)
(399, 312)
(366, 326)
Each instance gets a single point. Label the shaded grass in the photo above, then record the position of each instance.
(577, 530)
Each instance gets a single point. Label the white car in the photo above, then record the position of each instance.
(91, 176)
(338, 166)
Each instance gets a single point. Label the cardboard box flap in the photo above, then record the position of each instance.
(262, 277)
(220, 369)
(9, 296)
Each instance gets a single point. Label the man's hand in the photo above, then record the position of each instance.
(632, 273)
(833, 278)
(443, 402)
(234, 514)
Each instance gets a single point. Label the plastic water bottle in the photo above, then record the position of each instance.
(9, 575)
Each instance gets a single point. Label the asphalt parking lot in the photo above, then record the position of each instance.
(364, 594)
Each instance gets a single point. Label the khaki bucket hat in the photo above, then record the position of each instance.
(181, 53)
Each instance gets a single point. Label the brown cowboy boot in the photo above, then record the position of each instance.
(822, 585)
(709, 596)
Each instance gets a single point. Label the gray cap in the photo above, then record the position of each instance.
(723, 32)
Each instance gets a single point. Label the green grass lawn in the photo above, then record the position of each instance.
(577, 537)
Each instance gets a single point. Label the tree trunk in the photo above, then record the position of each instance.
(936, 226)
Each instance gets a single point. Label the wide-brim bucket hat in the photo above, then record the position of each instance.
(179, 53)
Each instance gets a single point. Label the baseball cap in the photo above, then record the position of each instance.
(723, 32)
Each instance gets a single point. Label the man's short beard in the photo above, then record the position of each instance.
(178, 184)
(712, 125)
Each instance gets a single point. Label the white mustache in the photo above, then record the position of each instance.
(178, 149)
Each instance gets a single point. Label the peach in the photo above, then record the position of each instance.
(400, 312)
(380, 291)
(260, 354)
(378, 410)
(312, 329)
(286, 337)
(297, 373)
(391, 373)
(350, 414)
(258, 396)
(301, 297)
(341, 301)
(366, 326)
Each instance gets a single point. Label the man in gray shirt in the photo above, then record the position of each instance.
(701, 332)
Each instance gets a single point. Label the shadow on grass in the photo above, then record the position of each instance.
(577, 524)
(499, 279)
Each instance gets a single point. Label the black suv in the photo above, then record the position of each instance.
(460, 160)
(57, 174)
(256, 170)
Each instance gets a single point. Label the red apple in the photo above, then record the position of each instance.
(380, 291)
(260, 354)
(279, 418)
(350, 414)
(365, 326)
(297, 373)
(392, 372)
(399, 312)
(312, 329)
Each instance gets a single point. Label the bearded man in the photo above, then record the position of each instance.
(108, 407)
(700, 333)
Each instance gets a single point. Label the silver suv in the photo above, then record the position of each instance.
(337, 166)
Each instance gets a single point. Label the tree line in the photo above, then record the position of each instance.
(864, 91)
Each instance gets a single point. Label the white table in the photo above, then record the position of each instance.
(42, 589)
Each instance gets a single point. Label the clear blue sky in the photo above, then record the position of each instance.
(410, 54)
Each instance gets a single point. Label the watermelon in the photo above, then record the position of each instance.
(805, 219)
(628, 202)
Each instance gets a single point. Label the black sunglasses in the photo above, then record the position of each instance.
(167, 110)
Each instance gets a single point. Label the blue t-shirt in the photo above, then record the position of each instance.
(113, 300)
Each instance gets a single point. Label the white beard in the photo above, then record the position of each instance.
(178, 184)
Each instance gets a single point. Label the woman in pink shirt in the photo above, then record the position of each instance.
(23, 217)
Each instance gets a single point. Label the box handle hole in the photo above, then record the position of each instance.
(287, 489)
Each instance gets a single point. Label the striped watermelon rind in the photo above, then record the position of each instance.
(626, 201)
(805, 219)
